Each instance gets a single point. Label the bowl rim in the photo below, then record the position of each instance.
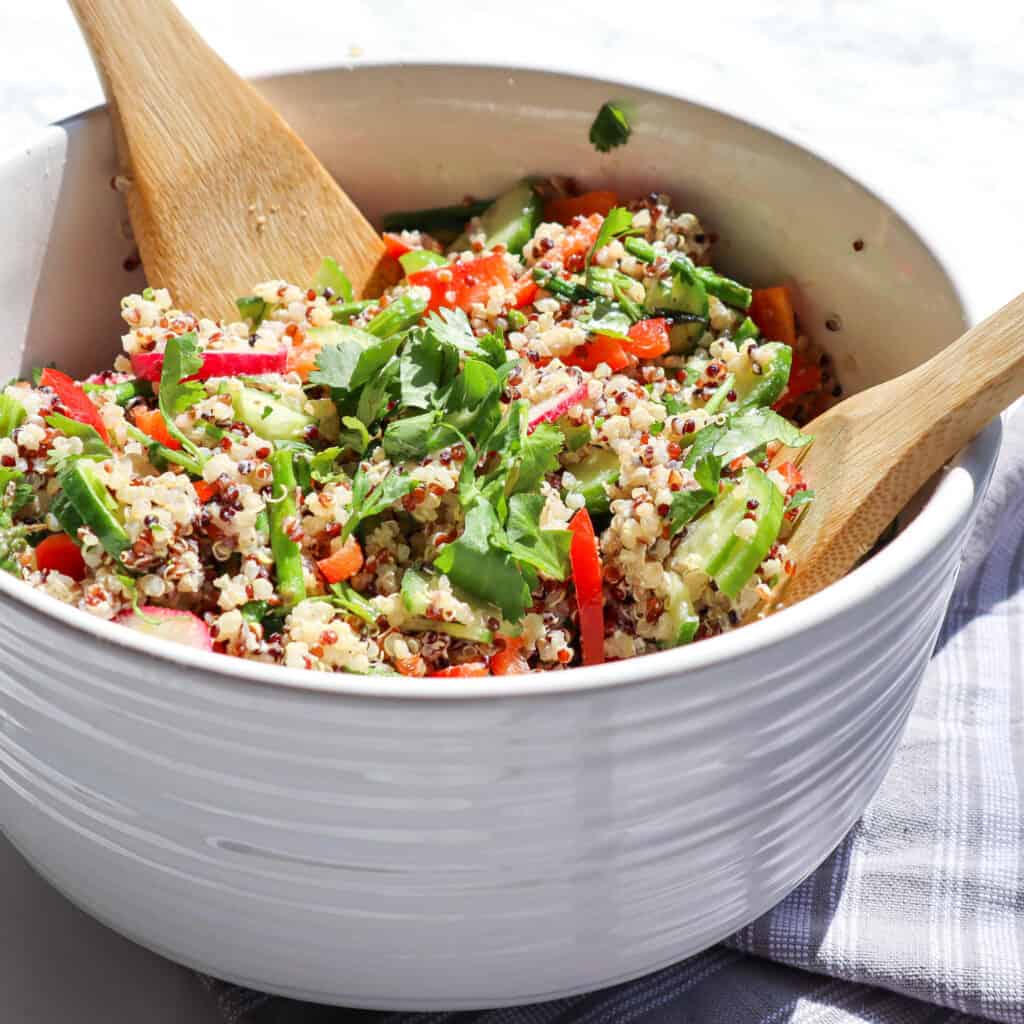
(958, 491)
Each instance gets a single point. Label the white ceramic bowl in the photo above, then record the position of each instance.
(398, 843)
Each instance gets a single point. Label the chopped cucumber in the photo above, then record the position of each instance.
(436, 220)
(70, 521)
(79, 480)
(416, 588)
(330, 275)
(765, 388)
(252, 309)
(12, 415)
(595, 473)
(401, 314)
(270, 417)
(683, 620)
(509, 221)
(747, 329)
(725, 557)
(122, 393)
(420, 259)
(683, 294)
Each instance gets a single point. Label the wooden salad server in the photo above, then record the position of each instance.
(872, 452)
(222, 194)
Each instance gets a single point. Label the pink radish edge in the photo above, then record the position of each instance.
(147, 365)
(169, 624)
(555, 408)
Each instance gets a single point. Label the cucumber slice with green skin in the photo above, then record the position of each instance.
(12, 415)
(683, 620)
(595, 472)
(764, 388)
(70, 521)
(416, 587)
(509, 221)
(677, 294)
(717, 400)
(728, 559)
(270, 417)
(90, 499)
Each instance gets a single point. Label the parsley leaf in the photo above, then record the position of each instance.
(610, 128)
(478, 563)
(176, 394)
(369, 501)
(545, 550)
(687, 504)
(744, 432)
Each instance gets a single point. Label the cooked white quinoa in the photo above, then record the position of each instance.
(198, 538)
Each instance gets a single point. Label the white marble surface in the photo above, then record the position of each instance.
(924, 99)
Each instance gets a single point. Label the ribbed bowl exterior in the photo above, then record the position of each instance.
(383, 846)
(395, 853)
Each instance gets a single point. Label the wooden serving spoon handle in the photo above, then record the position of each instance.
(873, 452)
(221, 192)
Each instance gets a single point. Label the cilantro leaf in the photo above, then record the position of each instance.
(93, 446)
(352, 357)
(618, 221)
(354, 434)
(537, 457)
(451, 326)
(473, 402)
(544, 550)
(427, 365)
(176, 394)
(322, 466)
(477, 563)
(744, 432)
(369, 501)
(411, 437)
(687, 504)
(15, 491)
(610, 128)
(800, 499)
(375, 397)
(604, 317)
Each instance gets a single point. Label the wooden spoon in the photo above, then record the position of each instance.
(222, 194)
(872, 452)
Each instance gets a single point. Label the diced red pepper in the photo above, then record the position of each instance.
(59, 552)
(152, 423)
(394, 246)
(509, 661)
(469, 668)
(575, 243)
(525, 291)
(772, 310)
(345, 562)
(804, 377)
(204, 491)
(649, 339)
(585, 559)
(460, 285)
(600, 349)
(77, 404)
(565, 208)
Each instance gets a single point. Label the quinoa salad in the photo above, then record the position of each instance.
(551, 444)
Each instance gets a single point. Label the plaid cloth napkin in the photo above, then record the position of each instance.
(918, 916)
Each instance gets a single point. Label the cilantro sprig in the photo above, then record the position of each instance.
(610, 128)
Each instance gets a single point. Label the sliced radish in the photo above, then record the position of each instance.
(147, 365)
(169, 624)
(555, 408)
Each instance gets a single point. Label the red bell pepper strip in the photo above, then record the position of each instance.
(60, 553)
(565, 208)
(772, 310)
(151, 422)
(460, 285)
(469, 668)
(585, 559)
(649, 339)
(600, 349)
(204, 491)
(76, 402)
(394, 246)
